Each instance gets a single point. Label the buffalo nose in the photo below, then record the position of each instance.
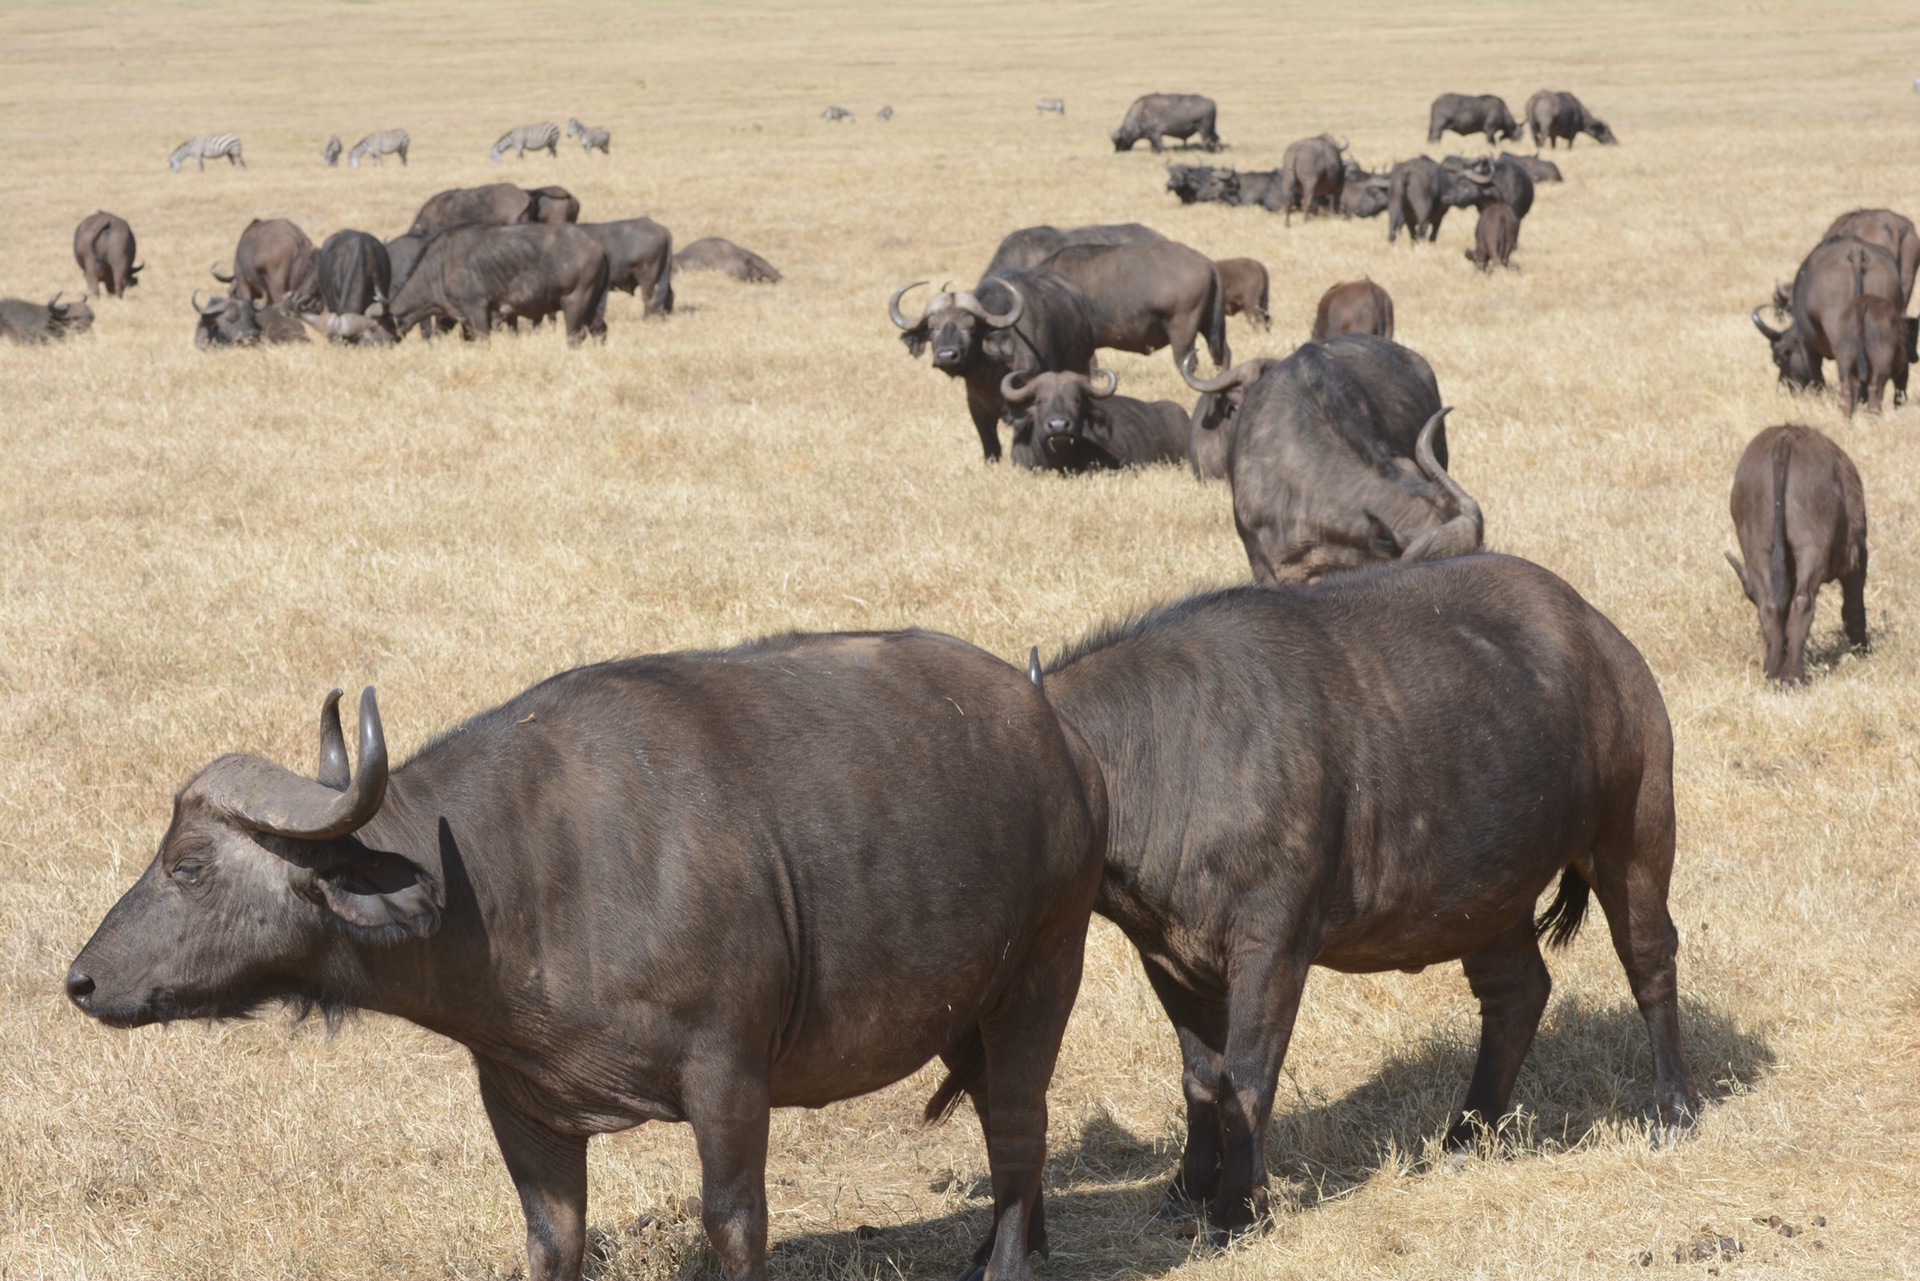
(79, 986)
(1056, 424)
(946, 353)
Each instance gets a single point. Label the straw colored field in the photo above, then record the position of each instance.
(194, 547)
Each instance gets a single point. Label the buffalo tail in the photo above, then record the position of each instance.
(1780, 588)
(1561, 921)
(971, 1071)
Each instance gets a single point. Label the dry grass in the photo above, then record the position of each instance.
(193, 547)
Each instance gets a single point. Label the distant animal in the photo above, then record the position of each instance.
(331, 152)
(356, 279)
(544, 136)
(274, 262)
(884, 114)
(1504, 180)
(711, 253)
(1801, 518)
(834, 115)
(536, 885)
(1058, 106)
(1333, 463)
(1495, 236)
(1245, 283)
(1553, 116)
(1312, 172)
(103, 245)
(1078, 424)
(498, 203)
(1892, 232)
(31, 323)
(1028, 247)
(1159, 116)
(1202, 184)
(553, 204)
(1419, 193)
(1353, 307)
(1469, 114)
(1870, 351)
(233, 321)
(1380, 772)
(377, 146)
(1143, 297)
(208, 146)
(590, 137)
(1537, 169)
(1831, 277)
(476, 275)
(639, 260)
(1363, 194)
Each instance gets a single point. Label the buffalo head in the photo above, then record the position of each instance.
(954, 324)
(1061, 402)
(1789, 352)
(225, 322)
(69, 318)
(1210, 430)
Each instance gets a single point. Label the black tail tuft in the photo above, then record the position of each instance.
(958, 1081)
(1561, 921)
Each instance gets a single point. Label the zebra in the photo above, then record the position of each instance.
(545, 135)
(331, 152)
(383, 143)
(208, 146)
(590, 136)
(884, 114)
(837, 114)
(1056, 105)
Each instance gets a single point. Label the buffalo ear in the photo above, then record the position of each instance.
(1740, 572)
(916, 341)
(382, 898)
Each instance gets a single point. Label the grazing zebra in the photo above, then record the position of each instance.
(590, 136)
(208, 146)
(386, 142)
(836, 114)
(885, 113)
(545, 135)
(331, 152)
(1056, 105)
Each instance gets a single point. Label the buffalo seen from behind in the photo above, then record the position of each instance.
(32, 323)
(1494, 236)
(104, 247)
(532, 886)
(1420, 192)
(1078, 424)
(1554, 116)
(1827, 314)
(274, 262)
(1246, 286)
(1463, 113)
(356, 278)
(1312, 173)
(1353, 307)
(1892, 232)
(712, 253)
(1159, 116)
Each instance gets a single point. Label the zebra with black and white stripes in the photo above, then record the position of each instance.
(590, 136)
(208, 146)
(385, 142)
(543, 136)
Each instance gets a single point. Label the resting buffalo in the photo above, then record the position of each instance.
(1380, 772)
(240, 322)
(1363, 194)
(1017, 322)
(1801, 518)
(1158, 116)
(1892, 232)
(1027, 248)
(499, 204)
(1077, 423)
(33, 323)
(1202, 183)
(1245, 282)
(1420, 192)
(1333, 462)
(1263, 187)
(1503, 179)
(1495, 236)
(475, 275)
(1353, 307)
(1554, 116)
(1535, 168)
(275, 263)
(1833, 275)
(553, 204)
(103, 246)
(639, 260)
(711, 253)
(554, 887)
(1469, 114)
(1148, 296)
(1312, 172)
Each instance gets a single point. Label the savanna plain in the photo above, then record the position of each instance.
(195, 546)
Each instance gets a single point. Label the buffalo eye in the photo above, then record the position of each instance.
(189, 872)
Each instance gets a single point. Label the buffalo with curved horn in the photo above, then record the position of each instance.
(1079, 424)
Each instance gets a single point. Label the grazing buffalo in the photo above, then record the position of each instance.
(275, 263)
(1501, 179)
(711, 253)
(1077, 424)
(103, 245)
(233, 321)
(475, 275)
(1554, 116)
(553, 205)
(1464, 113)
(1023, 322)
(1494, 236)
(1363, 194)
(1244, 281)
(1353, 307)
(1312, 172)
(1158, 116)
(541, 885)
(1801, 518)
(1380, 772)
(1203, 184)
(1333, 461)
(1027, 248)
(1869, 352)
(1832, 276)
(499, 204)
(356, 277)
(1419, 193)
(639, 260)
(1148, 296)
(1537, 169)
(33, 323)
(1892, 232)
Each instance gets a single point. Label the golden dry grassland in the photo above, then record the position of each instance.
(195, 546)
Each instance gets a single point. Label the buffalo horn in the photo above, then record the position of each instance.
(333, 770)
(278, 802)
(214, 271)
(1006, 318)
(1772, 335)
(1239, 375)
(1012, 392)
(54, 301)
(1464, 532)
(893, 307)
(213, 307)
(1112, 383)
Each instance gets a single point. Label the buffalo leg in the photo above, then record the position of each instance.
(1806, 591)
(1262, 1001)
(729, 1113)
(1201, 1027)
(1853, 603)
(549, 1171)
(1511, 983)
(986, 421)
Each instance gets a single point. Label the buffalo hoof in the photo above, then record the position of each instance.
(1176, 1208)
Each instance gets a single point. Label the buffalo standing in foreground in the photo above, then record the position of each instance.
(1463, 113)
(1147, 296)
(711, 253)
(1353, 307)
(33, 323)
(639, 260)
(1245, 282)
(1801, 518)
(1312, 172)
(1494, 236)
(475, 275)
(1078, 424)
(232, 321)
(1831, 277)
(1027, 248)
(275, 263)
(1420, 192)
(1158, 116)
(1553, 115)
(500, 204)
(1023, 322)
(104, 247)
(534, 885)
(1892, 232)
(1380, 772)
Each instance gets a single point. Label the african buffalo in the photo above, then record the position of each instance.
(1077, 423)
(1245, 282)
(1202, 183)
(1312, 172)
(1333, 462)
(1158, 116)
(275, 263)
(1553, 116)
(1801, 518)
(1833, 275)
(711, 253)
(1535, 168)
(103, 245)
(1494, 236)
(477, 274)
(554, 205)
(639, 260)
(232, 321)
(1892, 232)
(1266, 188)
(1469, 114)
(34, 323)
(1016, 322)
(540, 885)
(1353, 307)
(356, 276)
(1419, 193)
(1148, 296)
(1504, 179)
(1363, 194)
(1380, 772)
(1027, 248)
(500, 204)
(1869, 352)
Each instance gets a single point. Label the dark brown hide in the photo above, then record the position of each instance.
(711, 253)
(104, 247)
(275, 263)
(554, 205)
(639, 260)
(1469, 114)
(1869, 352)
(1831, 277)
(1245, 283)
(1312, 173)
(1419, 193)
(1078, 424)
(1892, 232)
(474, 275)
(1027, 248)
(499, 204)
(1147, 296)
(1494, 236)
(1537, 169)
(1354, 307)
(33, 323)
